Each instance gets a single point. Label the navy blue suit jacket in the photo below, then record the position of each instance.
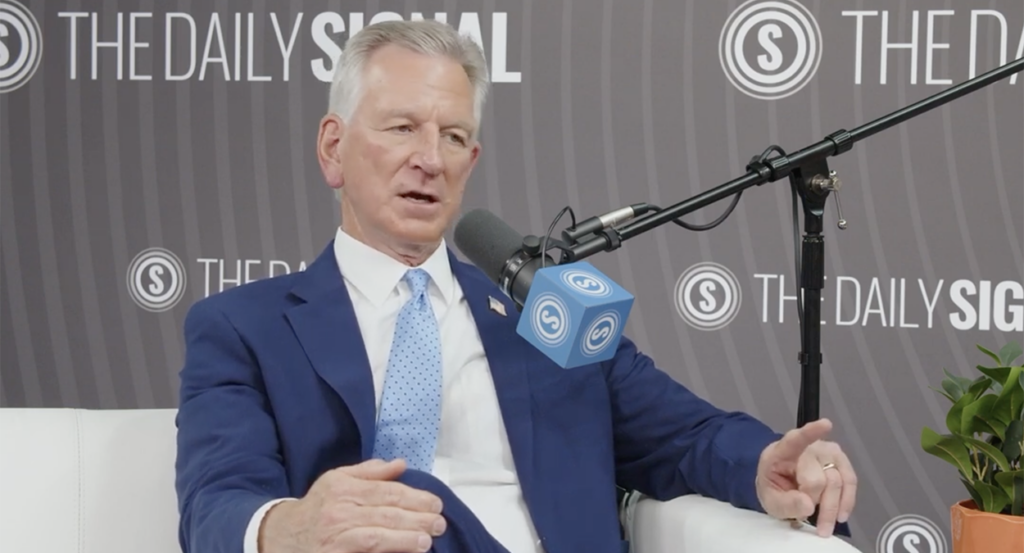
(276, 389)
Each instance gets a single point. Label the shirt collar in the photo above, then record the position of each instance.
(376, 274)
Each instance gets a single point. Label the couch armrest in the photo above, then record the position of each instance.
(697, 524)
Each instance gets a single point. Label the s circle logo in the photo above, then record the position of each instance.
(21, 45)
(549, 318)
(586, 283)
(708, 296)
(600, 333)
(910, 534)
(782, 38)
(156, 279)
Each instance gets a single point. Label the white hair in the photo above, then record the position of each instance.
(422, 36)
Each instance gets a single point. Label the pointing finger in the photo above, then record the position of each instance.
(794, 442)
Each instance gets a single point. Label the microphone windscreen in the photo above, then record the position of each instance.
(487, 241)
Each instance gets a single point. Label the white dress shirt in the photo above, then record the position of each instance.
(473, 454)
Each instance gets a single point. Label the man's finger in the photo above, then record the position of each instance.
(788, 504)
(382, 540)
(395, 494)
(828, 507)
(375, 469)
(396, 518)
(794, 442)
(849, 497)
(810, 478)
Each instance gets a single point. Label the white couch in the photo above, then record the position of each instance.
(87, 481)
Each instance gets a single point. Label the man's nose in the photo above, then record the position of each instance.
(427, 156)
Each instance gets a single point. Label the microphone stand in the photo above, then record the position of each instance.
(809, 175)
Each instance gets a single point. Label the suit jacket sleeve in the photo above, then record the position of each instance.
(669, 442)
(228, 462)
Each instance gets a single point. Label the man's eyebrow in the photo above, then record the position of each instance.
(461, 124)
(400, 113)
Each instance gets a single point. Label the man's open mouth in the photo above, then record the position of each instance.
(419, 197)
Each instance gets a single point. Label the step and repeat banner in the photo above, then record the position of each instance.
(153, 153)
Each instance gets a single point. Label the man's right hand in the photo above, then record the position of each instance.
(355, 509)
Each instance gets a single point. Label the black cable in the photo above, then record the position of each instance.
(797, 262)
(797, 253)
(551, 228)
(709, 226)
(736, 199)
(773, 148)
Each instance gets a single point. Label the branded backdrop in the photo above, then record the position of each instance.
(155, 152)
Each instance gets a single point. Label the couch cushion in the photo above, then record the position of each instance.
(87, 481)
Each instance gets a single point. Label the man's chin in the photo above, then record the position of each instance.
(421, 237)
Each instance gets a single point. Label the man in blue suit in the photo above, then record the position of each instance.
(381, 400)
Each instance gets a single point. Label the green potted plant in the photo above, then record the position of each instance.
(984, 443)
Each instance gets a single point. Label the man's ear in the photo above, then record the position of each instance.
(332, 130)
(475, 154)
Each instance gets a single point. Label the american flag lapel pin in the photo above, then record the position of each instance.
(497, 306)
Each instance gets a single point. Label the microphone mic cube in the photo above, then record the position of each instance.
(574, 314)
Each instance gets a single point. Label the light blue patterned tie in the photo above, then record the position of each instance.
(410, 409)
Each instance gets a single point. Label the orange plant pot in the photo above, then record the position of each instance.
(976, 531)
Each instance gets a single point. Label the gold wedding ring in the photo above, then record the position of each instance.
(828, 466)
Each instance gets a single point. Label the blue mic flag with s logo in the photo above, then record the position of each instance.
(574, 314)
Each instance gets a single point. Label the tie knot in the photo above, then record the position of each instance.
(417, 279)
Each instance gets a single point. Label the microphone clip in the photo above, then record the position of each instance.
(532, 246)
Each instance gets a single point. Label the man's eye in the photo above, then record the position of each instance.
(456, 139)
(402, 128)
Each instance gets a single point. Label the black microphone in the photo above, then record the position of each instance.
(500, 252)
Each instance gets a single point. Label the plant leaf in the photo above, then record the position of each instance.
(1012, 484)
(993, 498)
(1011, 398)
(947, 392)
(989, 353)
(952, 390)
(961, 382)
(998, 374)
(992, 426)
(1011, 442)
(978, 418)
(1009, 353)
(990, 450)
(970, 489)
(948, 448)
(979, 386)
(955, 416)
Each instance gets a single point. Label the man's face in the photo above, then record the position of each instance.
(403, 159)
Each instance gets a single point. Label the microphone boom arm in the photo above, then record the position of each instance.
(810, 177)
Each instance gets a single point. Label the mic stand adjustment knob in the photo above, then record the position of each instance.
(831, 183)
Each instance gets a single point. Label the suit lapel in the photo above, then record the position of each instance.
(326, 327)
(508, 367)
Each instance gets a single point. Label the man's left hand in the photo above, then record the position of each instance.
(801, 471)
